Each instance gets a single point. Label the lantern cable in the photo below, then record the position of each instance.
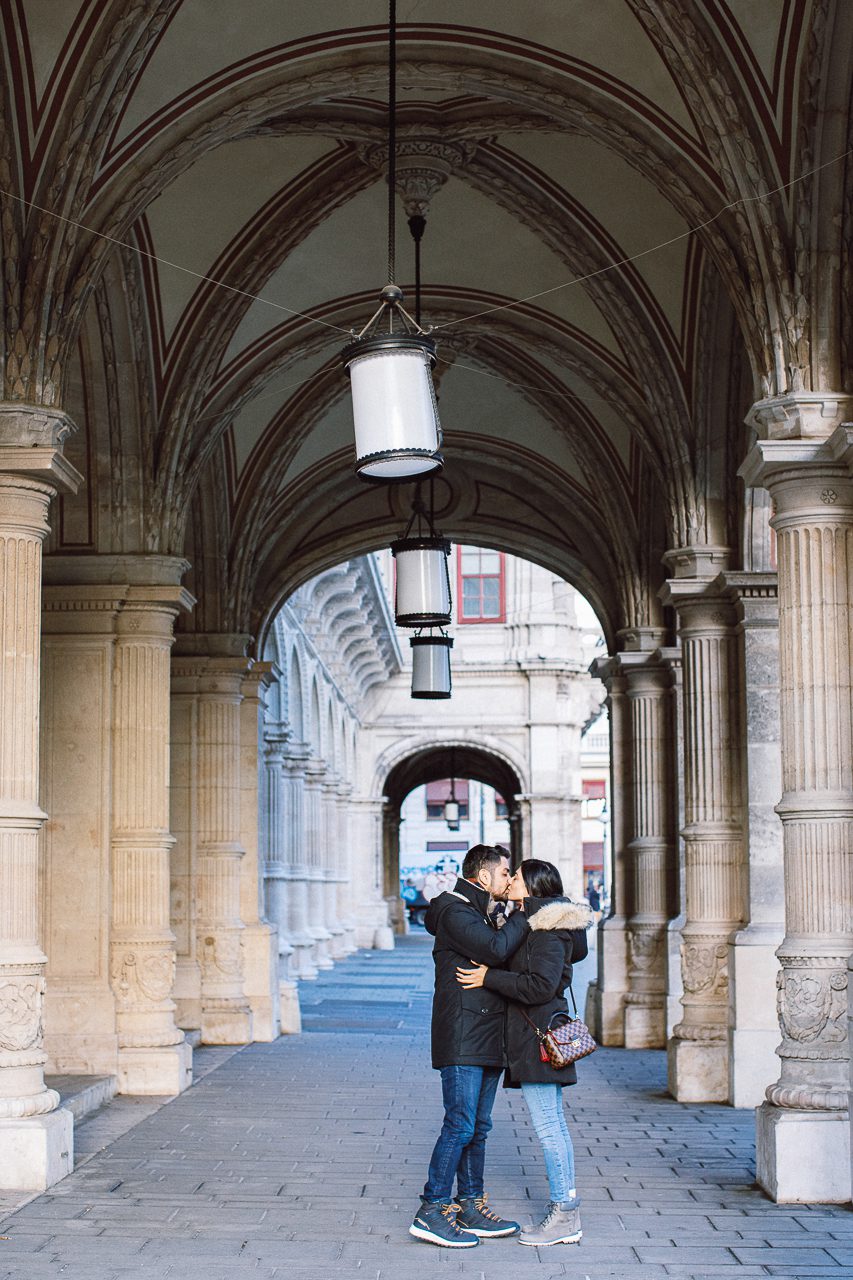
(392, 145)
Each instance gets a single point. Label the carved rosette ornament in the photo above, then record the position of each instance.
(21, 1001)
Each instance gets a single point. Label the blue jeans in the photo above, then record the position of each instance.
(460, 1153)
(545, 1103)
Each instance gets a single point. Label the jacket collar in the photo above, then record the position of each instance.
(472, 893)
(532, 905)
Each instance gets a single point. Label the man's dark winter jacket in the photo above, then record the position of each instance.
(535, 979)
(468, 1026)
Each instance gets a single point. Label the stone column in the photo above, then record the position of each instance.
(278, 890)
(330, 856)
(344, 868)
(606, 998)
(373, 927)
(297, 871)
(315, 833)
(153, 1055)
(214, 682)
(753, 966)
(260, 939)
(713, 843)
(651, 847)
(36, 1136)
(803, 1136)
(670, 657)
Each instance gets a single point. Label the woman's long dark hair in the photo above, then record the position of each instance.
(543, 880)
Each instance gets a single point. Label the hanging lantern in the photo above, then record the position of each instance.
(397, 432)
(451, 804)
(395, 414)
(422, 596)
(431, 666)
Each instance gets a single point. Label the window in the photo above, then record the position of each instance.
(594, 789)
(438, 792)
(501, 810)
(480, 578)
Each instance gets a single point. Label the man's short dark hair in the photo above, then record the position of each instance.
(479, 856)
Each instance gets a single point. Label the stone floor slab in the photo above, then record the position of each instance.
(304, 1158)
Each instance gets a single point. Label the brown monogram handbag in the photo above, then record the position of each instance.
(560, 1046)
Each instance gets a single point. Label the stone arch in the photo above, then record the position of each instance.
(431, 756)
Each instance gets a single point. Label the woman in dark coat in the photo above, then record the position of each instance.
(533, 984)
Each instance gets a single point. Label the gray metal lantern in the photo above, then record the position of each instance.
(422, 597)
(431, 666)
(395, 414)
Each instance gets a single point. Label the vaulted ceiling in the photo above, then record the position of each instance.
(619, 172)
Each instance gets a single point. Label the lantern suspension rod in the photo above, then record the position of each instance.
(417, 226)
(392, 141)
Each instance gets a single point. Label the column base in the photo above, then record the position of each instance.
(163, 1071)
(383, 938)
(608, 1003)
(290, 1011)
(803, 1157)
(260, 972)
(226, 1026)
(753, 1026)
(697, 1070)
(753, 1065)
(36, 1152)
(645, 1023)
(302, 964)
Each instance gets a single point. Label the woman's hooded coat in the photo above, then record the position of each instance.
(535, 979)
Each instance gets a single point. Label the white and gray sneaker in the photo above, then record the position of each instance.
(561, 1225)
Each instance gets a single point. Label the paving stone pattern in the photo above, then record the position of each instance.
(304, 1159)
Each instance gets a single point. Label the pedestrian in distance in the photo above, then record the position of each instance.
(468, 1048)
(533, 984)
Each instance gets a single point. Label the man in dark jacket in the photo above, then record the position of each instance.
(468, 1049)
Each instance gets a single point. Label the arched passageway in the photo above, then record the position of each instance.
(463, 759)
(638, 256)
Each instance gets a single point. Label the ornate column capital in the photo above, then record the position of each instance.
(31, 443)
(800, 415)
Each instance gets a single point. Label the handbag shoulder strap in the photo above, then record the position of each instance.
(529, 1021)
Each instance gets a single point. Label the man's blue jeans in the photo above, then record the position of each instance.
(460, 1153)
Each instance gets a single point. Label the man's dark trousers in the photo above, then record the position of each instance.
(460, 1152)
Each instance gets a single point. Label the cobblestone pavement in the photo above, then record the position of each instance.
(304, 1159)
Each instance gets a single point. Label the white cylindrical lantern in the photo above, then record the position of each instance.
(431, 666)
(422, 597)
(451, 814)
(397, 432)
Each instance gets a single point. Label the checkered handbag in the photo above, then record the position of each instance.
(567, 1043)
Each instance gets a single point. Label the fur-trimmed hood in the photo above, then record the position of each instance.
(561, 913)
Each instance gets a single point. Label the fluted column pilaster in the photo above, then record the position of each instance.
(36, 1137)
(260, 938)
(153, 1056)
(315, 838)
(344, 867)
(803, 1128)
(713, 841)
(297, 872)
(330, 859)
(605, 1009)
(753, 1027)
(213, 685)
(651, 848)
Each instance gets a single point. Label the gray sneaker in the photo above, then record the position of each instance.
(561, 1225)
(435, 1222)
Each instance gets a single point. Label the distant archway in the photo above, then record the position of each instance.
(430, 763)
